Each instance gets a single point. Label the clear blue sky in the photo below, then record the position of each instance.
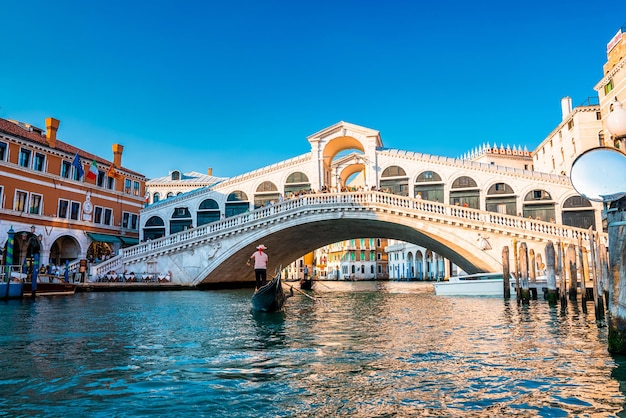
(237, 85)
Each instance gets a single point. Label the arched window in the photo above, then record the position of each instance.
(208, 211)
(181, 220)
(154, 228)
(266, 193)
(236, 203)
(464, 192)
(429, 186)
(538, 205)
(394, 180)
(156, 197)
(501, 199)
(296, 182)
(176, 175)
(578, 212)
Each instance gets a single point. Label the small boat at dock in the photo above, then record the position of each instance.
(15, 290)
(481, 284)
(306, 284)
(271, 297)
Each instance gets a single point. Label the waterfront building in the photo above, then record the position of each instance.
(177, 183)
(580, 129)
(355, 259)
(81, 205)
(612, 88)
(409, 261)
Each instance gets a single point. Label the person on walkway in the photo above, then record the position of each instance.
(260, 265)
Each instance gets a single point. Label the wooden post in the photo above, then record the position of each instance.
(599, 305)
(533, 273)
(584, 262)
(506, 273)
(523, 279)
(561, 274)
(616, 218)
(550, 273)
(573, 277)
(516, 272)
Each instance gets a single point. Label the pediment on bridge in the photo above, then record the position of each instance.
(346, 129)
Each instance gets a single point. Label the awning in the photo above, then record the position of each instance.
(129, 240)
(103, 237)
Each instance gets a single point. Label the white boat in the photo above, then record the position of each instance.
(480, 284)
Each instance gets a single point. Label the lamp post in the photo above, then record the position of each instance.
(616, 123)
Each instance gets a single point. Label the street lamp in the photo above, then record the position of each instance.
(616, 121)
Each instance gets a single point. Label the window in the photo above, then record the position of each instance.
(62, 209)
(608, 87)
(136, 188)
(101, 178)
(97, 215)
(24, 159)
(39, 162)
(66, 169)
(110, 183)
(570, 124)
(1, 191)
(108, 217)
(35, 204)
(20, 201)
(134, 221)
(3, 151)
(129, 220)
(127, 184)
(74, 210)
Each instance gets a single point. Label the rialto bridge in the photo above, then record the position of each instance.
(296, 206)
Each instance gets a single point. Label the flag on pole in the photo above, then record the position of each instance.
(111, 172)
(79, 167)
(93, 171)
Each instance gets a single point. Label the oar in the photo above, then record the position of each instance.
(300, 291)
(318, 281)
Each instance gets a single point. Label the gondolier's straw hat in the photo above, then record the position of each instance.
(261, 247)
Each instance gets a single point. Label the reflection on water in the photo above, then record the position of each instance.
(361, 349)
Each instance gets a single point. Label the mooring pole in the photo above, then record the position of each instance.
(9, 258)
(532, 272)
(523, 263)
(550, 273)
(516, 272)
(573, 276)
(595, 269)
(616, 218)
(584, 262)
(560, 272)
(506, 274)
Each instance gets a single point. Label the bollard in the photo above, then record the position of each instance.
(572, 273)
(550, 273)
(523, 269)
(506, 272)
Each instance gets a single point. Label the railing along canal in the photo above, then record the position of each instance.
(426, 209)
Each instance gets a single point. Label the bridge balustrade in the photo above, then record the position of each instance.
(345, 201)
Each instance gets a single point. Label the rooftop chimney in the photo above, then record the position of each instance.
(117, 155)
(52, 125)
(209, 171)
(566, 107)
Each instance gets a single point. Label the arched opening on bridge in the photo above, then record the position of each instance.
(419, 264)
(340, 155)
(429, 186)
(578, 211)
(236, 203)
(501, 199)
(266, 193)
(181, 220)
(410, 274)
(154, 228)
(465, 192)
(64, 249)
(296, 183)
(538, 205)
(208, 211)
(395, 181)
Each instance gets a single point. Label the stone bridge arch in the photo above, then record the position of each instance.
(217, 252)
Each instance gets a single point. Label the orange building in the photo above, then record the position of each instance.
(81, 205)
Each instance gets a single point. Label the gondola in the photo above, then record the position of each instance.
(271, 297)
(306, 284)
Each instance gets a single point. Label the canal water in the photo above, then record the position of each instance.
(363, 349)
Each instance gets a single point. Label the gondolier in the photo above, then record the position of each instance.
(260, 265)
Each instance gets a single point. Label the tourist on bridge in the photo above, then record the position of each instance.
(260, 265)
